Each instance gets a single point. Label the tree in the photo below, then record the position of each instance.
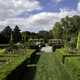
(33, 35)
(67, 29)
(16, 35)
(71, 26)
(6, 34)
(78, 41)
(50, 34)
(57, 31)
(23, 37)
(44, 34)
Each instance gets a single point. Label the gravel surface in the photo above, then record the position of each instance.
(47, 49)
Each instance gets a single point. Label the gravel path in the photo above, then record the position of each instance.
(47, 49)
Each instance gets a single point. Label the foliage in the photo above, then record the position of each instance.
(5, 35)
(78, 41)
(57, 31)
(17, 35)
(45, 35)
(67, 29)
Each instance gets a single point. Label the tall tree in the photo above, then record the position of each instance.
(17, 35)
(6, 34)
(71, 28)
(57, 31)
(78, 41)
(44, 34)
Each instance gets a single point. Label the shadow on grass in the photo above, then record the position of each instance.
(22, 72)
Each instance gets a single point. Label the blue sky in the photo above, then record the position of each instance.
(53, 6)
(36, 15)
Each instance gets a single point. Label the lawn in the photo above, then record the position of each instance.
(50, 67)
(10, 61)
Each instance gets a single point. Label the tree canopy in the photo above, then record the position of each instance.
(16, 35)
(67, 29)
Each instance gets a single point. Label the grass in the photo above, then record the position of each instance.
(12, 61)
(72, 64)
(51, 67)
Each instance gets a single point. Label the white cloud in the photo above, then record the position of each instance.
(29, 5)
(39, 21)
(44, 20)
(10, 8)
(66, 12)
(78, 6)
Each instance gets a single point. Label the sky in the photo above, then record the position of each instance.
(36, 15)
